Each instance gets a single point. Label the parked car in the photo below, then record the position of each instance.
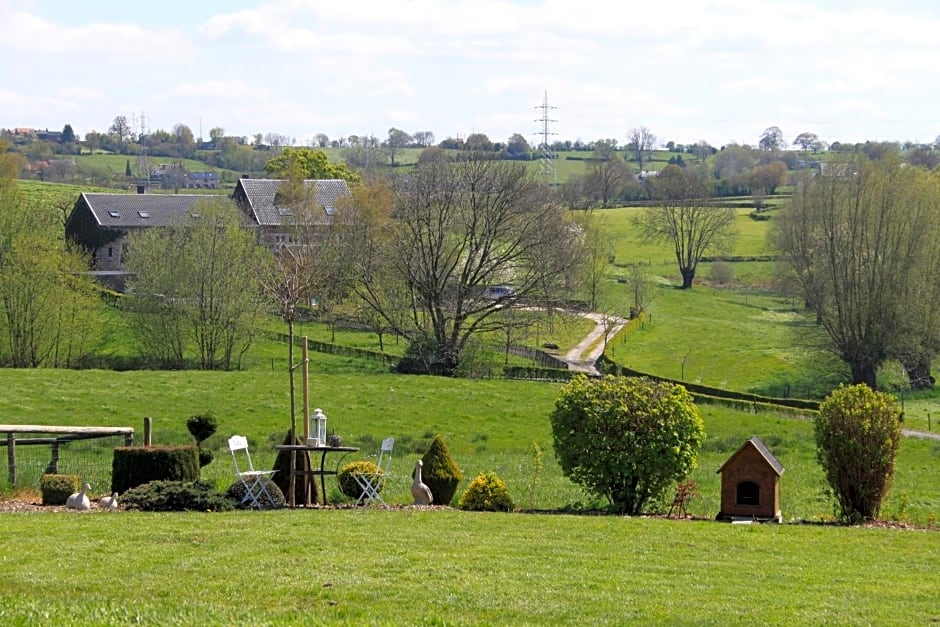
(499, 292)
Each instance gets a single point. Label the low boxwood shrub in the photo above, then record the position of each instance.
(56, 489)
(236, 492)
(347, 477)
(486, 493)
(176, 496)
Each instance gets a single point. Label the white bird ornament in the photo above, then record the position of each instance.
(109, 502)
(79, 500)
(421, 492)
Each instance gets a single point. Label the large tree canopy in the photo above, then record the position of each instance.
(313, 164)
(457, 228)
(860, 238)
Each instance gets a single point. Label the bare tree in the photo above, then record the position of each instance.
(641, 142)
(121, 129)
(459, 227)
(683, 217)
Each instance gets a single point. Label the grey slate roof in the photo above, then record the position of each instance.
(260, 194)
(125, 210)
(764, 452)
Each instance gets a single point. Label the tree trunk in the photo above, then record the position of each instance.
(865, 373)
(688, 274)
(918, 372)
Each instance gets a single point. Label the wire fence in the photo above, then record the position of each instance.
(82, 451)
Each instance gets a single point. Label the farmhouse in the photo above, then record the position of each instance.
(102, 223)
(259, 198)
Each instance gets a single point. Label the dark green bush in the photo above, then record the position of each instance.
(347, 477)
(236, 492)
(440, 472)
(137, 465)
(176, 496)
(626, 439)
(857, 436)
(56, 489)
(486, 493)
(202, 427)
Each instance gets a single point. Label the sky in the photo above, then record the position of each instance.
(688, 70)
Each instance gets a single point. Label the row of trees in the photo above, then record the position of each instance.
(859, 242)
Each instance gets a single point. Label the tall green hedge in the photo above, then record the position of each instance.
(137, 465)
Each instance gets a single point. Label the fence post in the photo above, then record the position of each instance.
(11, 458)
(53, 467)
(148, 430)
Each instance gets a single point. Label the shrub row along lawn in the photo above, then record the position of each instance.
(493, 425)
(409, 566)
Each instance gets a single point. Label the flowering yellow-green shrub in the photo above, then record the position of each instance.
(488, 493)
(626, 439)
(857, 433)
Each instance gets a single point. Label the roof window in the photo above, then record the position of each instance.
(143, 214)
(114, 214)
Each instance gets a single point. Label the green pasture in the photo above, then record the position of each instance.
(409, 567)
(117, 164)
(629, 247)
(733, 339)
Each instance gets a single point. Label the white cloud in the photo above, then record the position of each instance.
(114, 42)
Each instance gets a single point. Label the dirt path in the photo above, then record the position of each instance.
(579, 358)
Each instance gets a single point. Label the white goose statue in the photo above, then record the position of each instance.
(79, 500)
(421, 492)
(109, 502)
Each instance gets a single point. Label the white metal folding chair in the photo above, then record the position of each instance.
(371, 483)
(254, 481)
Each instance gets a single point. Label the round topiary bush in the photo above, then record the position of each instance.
(236, 492)
(347, 477)
(486, 493)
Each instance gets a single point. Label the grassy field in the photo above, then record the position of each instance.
(407, 567)
(118, 163)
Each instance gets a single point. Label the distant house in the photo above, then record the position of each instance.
(204, 180)
(260, 200)
(103, 223)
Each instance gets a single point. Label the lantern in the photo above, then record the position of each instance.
(317, 428)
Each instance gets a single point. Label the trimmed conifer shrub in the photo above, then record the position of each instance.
(56, 489)
(440, 472)
(136, 465)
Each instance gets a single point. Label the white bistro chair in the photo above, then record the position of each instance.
(254, 481)
(371, 483)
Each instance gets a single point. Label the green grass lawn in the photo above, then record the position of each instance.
(402, 567)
